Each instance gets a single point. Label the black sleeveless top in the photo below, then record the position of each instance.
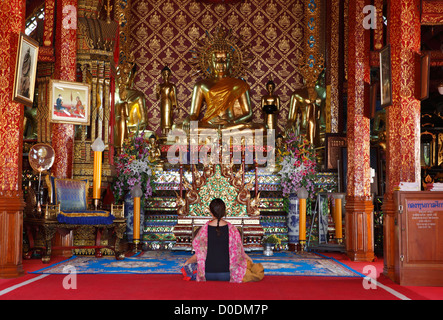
(217, 257)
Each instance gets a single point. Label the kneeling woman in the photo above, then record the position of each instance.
(219, 253)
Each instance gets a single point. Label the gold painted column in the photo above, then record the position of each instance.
(12, 17)
(359, 207)
(403, 116)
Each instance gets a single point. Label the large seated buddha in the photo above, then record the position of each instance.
(227, 100)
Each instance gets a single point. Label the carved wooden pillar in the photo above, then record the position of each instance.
(359, 207)
(403, 116)
(12, 17)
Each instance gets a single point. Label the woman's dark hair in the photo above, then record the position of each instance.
(218, 210)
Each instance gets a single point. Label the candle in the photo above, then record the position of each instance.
(136, 219)
(136, 194)
(98, 146)
(302, 194)
(338, 218)
(97, 178)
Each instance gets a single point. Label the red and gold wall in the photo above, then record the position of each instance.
(164, 32)
(12, 15)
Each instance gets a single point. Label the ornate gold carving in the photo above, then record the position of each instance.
(218, 181)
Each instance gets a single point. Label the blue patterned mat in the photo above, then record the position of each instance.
(170, 262)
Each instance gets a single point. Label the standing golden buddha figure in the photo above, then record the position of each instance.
(297, 112)
(304, 114)
(130, 109)
(306, 111)
(167, 93)
(226, 96)
(270, 104)
(313, 117)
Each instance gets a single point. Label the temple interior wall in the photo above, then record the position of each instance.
(164, 32)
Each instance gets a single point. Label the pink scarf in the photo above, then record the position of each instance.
(237, 258)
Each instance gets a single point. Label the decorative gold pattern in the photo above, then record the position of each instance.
(11, 113)
(312, 63)
(403, 117)
(378, 32)
(218, 181)
(163, 33)
(432, 12)
(334, 94)
(358, 177)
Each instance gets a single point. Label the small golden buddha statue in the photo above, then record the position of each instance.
(270, 104)
(154, 152)
(280, 147)
(167, 93)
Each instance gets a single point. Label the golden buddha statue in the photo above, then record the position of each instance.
(270, 104)
(154, 152)
(167, 93)
(297, 112)
(227, 99)
(121, 125)
(304, 114)
(130, 109)
(313, 117)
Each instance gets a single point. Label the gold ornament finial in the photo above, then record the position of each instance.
(311, 68)
(108, 9)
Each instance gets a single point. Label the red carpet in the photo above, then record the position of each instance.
(172, 287)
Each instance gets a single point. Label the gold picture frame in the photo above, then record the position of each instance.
(25, 70)
(385, 77)
(69, 102)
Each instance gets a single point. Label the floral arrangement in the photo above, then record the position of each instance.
(133, 167)
(298, 165)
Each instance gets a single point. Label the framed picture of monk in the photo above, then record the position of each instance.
(385, 77)
(69, 102)
(25, 70)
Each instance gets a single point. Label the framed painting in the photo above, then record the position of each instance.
(25, 70)
(385, 77)
(69, 102)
